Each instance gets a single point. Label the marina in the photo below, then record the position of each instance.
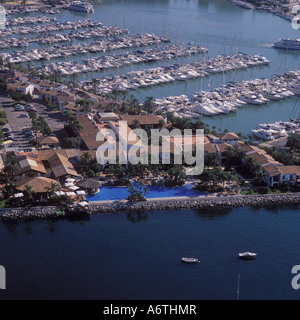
(50, 27)
(230, 97)
(59, 51)
(160, 75)
(118, 61)
(279, 129)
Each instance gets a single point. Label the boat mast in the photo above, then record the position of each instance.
(238, 288)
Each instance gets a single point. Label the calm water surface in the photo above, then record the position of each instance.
(137, 256)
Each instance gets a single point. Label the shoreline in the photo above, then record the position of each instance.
(280, 12)
(156, 204)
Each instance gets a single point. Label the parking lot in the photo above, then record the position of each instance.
(16, 123)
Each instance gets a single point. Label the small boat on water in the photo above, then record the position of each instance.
(247, 255)
(190, 260)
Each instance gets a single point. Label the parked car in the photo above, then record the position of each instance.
(24, 115)
(19, 107)
(24, 130)
(9, 138)
(5, 129)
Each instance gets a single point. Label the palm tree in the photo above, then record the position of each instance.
(28, 194)
(12, 167)
(149, 104)
(53, 187)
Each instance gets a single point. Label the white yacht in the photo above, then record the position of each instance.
(81, 6)
(288, 44)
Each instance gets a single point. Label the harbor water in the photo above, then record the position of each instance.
(137, 255)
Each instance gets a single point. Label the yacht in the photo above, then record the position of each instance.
(288, 44)
(247, 255)
(81, 6)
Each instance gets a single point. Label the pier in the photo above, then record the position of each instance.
(159, 75)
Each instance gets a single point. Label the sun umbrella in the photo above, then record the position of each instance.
(73, 188)
(70, 194)
(19, 195)
(68, 184)
(59, 193)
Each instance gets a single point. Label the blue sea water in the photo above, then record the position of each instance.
(133, 256)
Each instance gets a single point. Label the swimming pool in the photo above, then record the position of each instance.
(121, 193)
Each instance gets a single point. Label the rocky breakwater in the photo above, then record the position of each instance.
(23, 213)
(208, 202)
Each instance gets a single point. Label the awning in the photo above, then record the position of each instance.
(74, 188)
(83, 203)
(69, 184)
(7, 142)
(59, 193)
(70, 194)
(19, 195)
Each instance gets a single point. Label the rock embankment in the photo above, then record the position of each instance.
(198, 203)
(34, 213)
(38, 213)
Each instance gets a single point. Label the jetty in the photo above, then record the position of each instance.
(230, 97)
(159, 75)
(64, 50)
(67, 68)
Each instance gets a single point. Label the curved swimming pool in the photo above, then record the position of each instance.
(121, 193)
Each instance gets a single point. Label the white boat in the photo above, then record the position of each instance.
(81, 6)
(190, 260)
(292, 44)
(247, 255)
(265, 134)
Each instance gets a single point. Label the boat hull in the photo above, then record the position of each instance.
(247, 256)
(190, 260)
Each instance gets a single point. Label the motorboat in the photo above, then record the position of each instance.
(81, 6)
(247, 255)
(293, 44)
(190, 260)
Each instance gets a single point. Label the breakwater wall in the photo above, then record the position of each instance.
(209, 202)
(198, 203)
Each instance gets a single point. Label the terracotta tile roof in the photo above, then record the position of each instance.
(228, 136)
(289, 170)
(223, 147)
(270, 168)
(45, 155)
(47, 140)
(210, 148)
(142, 119)
(29, 163)
(89, 132)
